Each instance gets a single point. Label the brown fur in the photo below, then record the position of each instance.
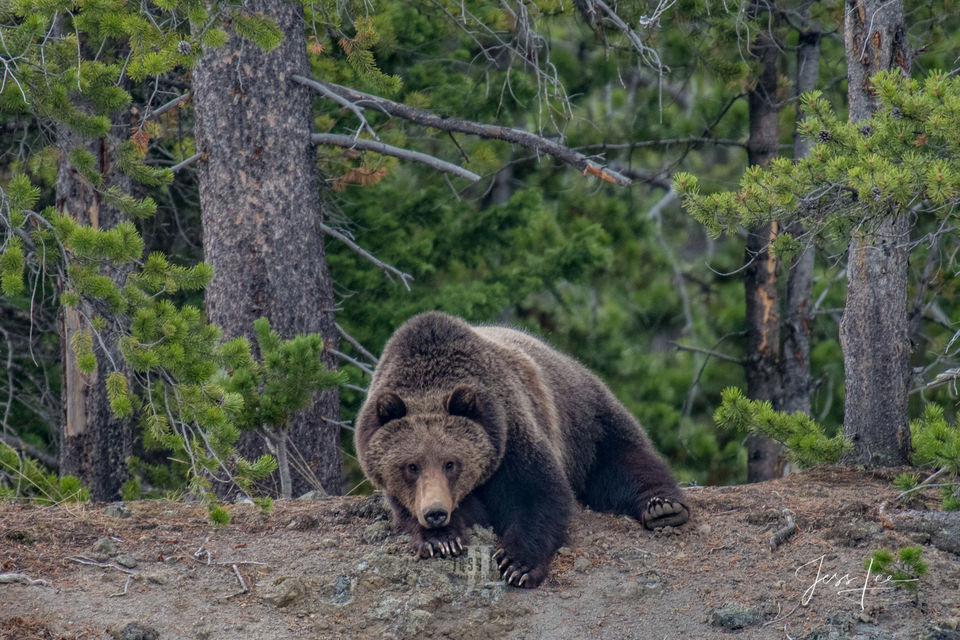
(502, 429)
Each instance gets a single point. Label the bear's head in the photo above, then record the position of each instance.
(430, 460)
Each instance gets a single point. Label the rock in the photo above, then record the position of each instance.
(106, 546)
(285, 591)
(304, 523)
(342, 594)
(23, 537)
(704, 529)
(733, 615)
(157, 578)
(118, 510)
(563, 552)
(415, 622)
(126, 560)
(136, 631)
(630, 590)
(376, 532)
(581, 564)
(942, 630)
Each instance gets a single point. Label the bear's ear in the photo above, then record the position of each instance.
(390, 407)
(463, 402)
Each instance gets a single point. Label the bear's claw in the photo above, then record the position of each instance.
(444, 544)
(664, 512)
(516, 574)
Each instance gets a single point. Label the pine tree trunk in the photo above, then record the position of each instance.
(94, 443)
(795, 363)
(874, 331)
(259, 194)
(764, 455)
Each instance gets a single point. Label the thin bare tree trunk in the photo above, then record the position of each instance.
(260, 199)
(874, 330)
(795, 362)
(765, 458)
(94, 444)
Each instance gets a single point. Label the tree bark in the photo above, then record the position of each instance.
(94, 444)
(874, 330)
(765, 458)
(260, 200)
(795, 362)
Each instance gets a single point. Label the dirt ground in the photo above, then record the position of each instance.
(335, 568)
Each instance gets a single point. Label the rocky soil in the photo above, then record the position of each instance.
(335, 568)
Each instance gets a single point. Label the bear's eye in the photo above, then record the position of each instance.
(414, 469)
(449, 466)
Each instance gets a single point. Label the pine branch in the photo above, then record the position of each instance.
(187, 162)
(508, 134)
(383, 266)
(349, 142)
(709, 352)
(176, 103)
(47, 459)
(331, 95)
(356, 344)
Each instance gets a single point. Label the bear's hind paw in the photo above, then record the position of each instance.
(518, 575)
(664, 512)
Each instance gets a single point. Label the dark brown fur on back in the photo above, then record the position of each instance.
(515, 429)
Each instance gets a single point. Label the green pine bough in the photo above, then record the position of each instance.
(805, 440)
(191, 393)
(23, 478)
(903, 569)
(936, 448)
(907, 155)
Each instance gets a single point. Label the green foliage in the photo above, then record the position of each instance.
(805, 440)
(906, 153)
(258, 29)
(283, 382)
(905, 569)
(23, 478)
(11, 268)
(219, 516)
(936, 445)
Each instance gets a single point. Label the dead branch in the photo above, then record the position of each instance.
(784, 533)
(243, 584)
(363, 367)
(47, 459)
(508, 134)
(203, 551)
(926, 483)
(383, 266)
(709, 352)
(176, 103)
(356, 344)
(94, 563)
(22, 578)
(330, 95)
(348, 142)
(943, 527)
(126, 586)
(187, 162)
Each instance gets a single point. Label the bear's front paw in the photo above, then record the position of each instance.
(517, 573)
(664, 512)
(442, 542)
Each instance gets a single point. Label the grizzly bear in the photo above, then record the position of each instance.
(486, 425)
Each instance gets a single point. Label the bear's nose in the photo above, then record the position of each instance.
(436, 517)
